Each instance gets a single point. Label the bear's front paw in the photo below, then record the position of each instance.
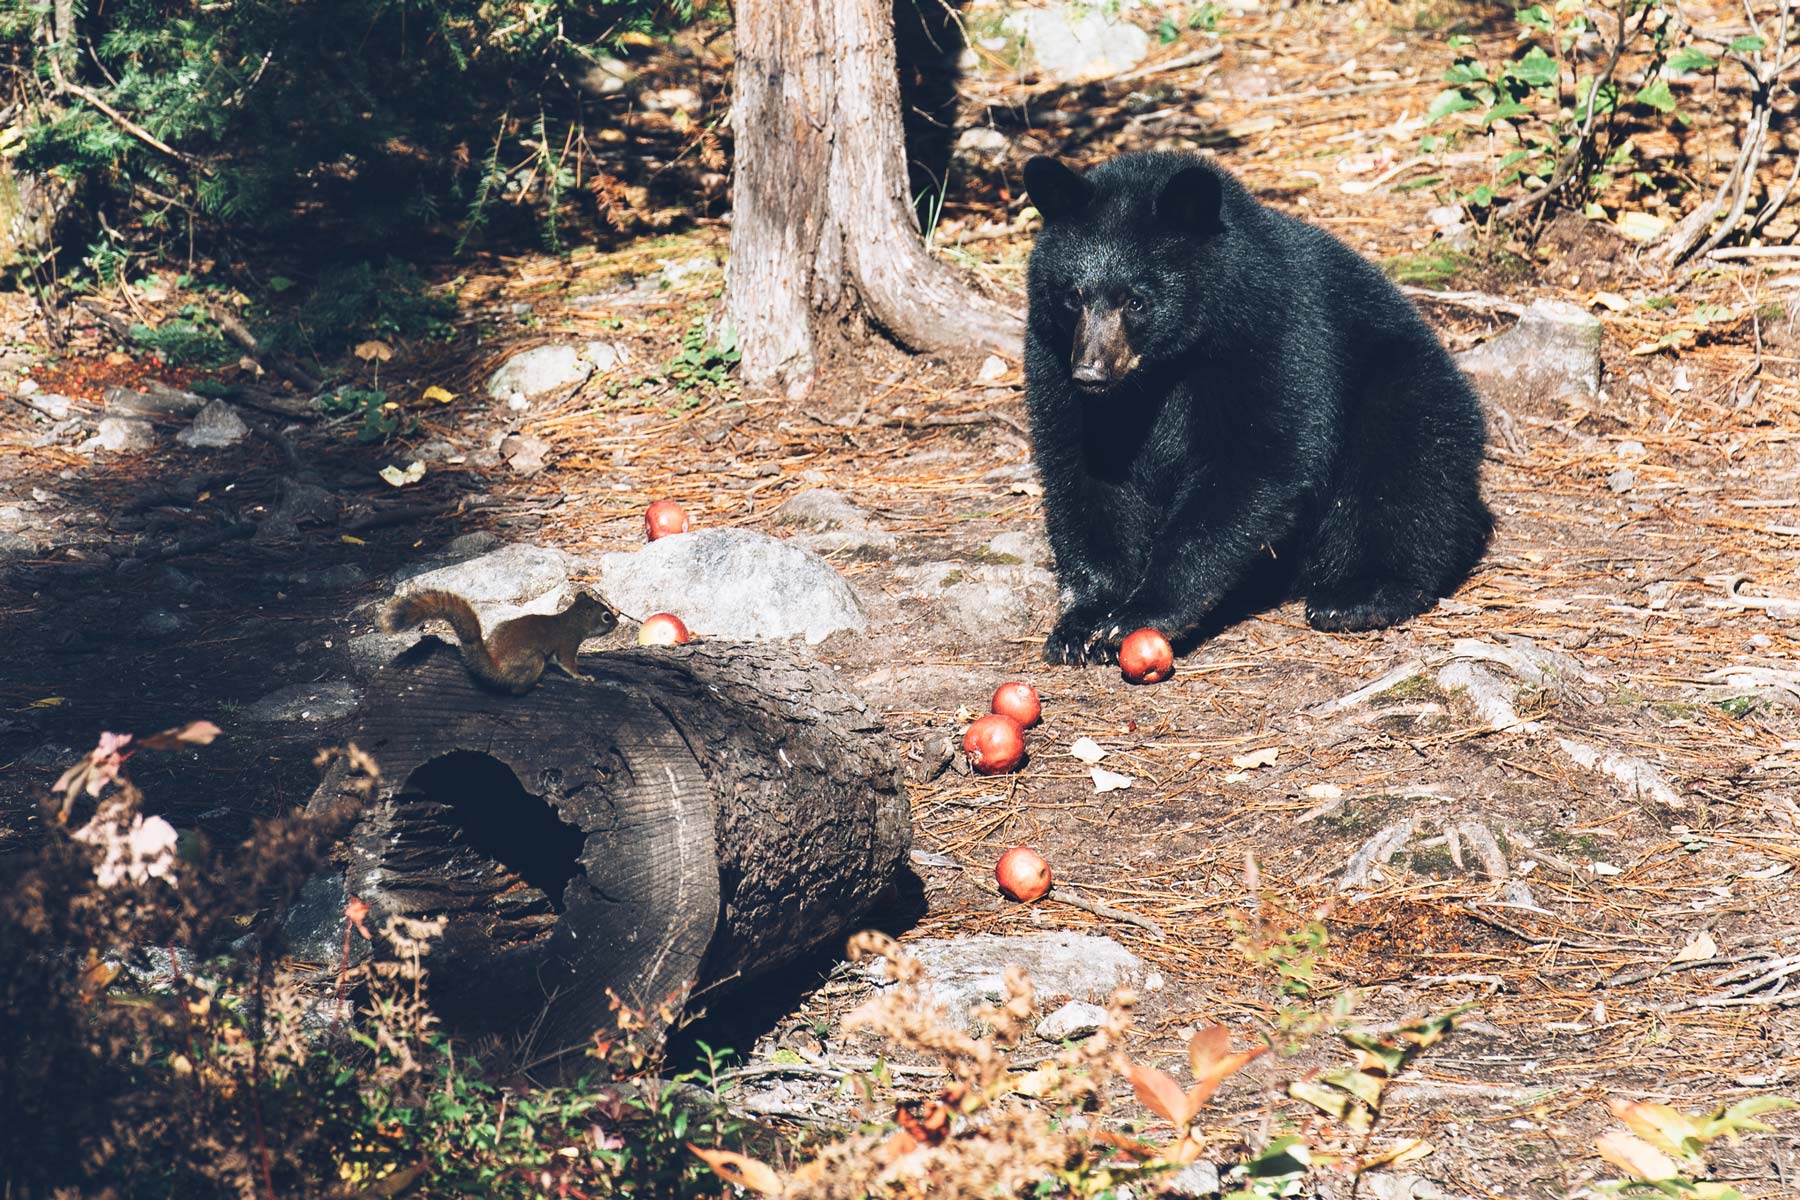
(1071, 643)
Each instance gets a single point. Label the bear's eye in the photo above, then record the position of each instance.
(1135, 304)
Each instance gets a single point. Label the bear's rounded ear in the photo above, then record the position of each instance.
(1054, 189)
(1191, 200)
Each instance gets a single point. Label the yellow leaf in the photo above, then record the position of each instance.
(1668, 1129)
(49, 702)
(1635, 1156)
(632, 37)
(434, 392)
(353, 541)
(1402, 1152)
(203, 497)
(744, 1171)
(374, 351)
(1641, 227)
(395, 477)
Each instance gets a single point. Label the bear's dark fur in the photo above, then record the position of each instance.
(1214, 385)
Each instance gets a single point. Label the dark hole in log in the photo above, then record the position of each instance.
(500, 820)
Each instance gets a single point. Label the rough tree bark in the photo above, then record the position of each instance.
(694, 818)
(821, 220)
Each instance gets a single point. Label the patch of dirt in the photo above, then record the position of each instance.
(1577, 994)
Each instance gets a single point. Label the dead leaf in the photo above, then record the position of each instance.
(374, 351)
(740, 1169)
(1641, 226)
(1110, 781)
(1699, 948)
(434, 392)
(1669, 1130)
(1213, 1061)
(1635, 1156)
(1611, 301)
(395, 477)
(1087, 750)
(1257, 758)
(1157, 1091)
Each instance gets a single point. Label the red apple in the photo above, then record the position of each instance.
(1022, 873)
(664, 517)
(995, 744)
(662, 629)
(1145, 656)
(1020, 702)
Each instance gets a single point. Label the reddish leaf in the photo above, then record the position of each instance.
(1211, 1057)
(1131, 1146)
(929, 1122)
(744, 1171)
(1160, 1094)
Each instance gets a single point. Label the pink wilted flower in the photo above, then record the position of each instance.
(135, 851)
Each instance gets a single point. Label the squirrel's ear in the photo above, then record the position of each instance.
(1191, 201)
(1054, 189)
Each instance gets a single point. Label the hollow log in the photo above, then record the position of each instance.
(690, 818)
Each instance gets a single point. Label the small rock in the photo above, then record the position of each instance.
(57, 408)
(983, 141)
(1074, 1020)
(679, 274)
(119, 435)
(1382, 1186)
(214, 427)
(606, 356)
(608, 76)
(524, 453)
(300, 503)
(15, 545)
(312, 929)
(1630, 450)
(27, 386)
(992, 368)
(1622, 480)
(13, 517)
(157, 399)
(306, 703)
(1547, 361)
(1075, 43)
(1445, 216)
(160, 623)
(833, 522)
(965, 971)
(1196, 1181)
(539, 369)
(672, 100)
(734, 583)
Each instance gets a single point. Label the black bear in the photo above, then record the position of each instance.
(1214, 385)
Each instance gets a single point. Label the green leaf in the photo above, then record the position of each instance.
(1481, 197)
(1537, 69)
(1534, 17)
(1448, 101)
(1689, 59)
(1657, 95)
(1504, 112)
(1747, 44)
(1167, 31)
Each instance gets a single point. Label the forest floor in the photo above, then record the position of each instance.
(1648, 538)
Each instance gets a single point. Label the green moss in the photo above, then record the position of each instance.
(1433, 269)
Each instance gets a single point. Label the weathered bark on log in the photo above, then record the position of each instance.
(696, 816)
(820, 216)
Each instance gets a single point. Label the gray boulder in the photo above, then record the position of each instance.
(733, 583)
(518, 577)
(214, 427)
(966, 971)
(1540, 366)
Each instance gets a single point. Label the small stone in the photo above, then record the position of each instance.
(992, 368)
(606, 356)
(306, 703)
(1630, 450)
(1445, 216)
(1072, 45)
(214, 427)
(524, 453)
(1196, 1181)
(1547, 361)
(608, 76)
(27, 386)
(56, 407)
(539, 369)
(467, 545)
(983, 141)
(1622, 480)
(1073, 1021)
(965, 971)
(161, 623)
(119, 435)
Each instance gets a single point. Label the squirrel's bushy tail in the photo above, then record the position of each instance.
(407, 611)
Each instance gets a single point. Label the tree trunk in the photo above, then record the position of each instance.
(697, 816)
(821, 223)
